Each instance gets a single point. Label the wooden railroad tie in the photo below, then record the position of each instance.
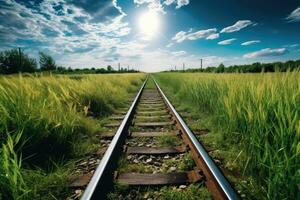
(156, 150)
(174, 178)
(153, 124)
(111, 134)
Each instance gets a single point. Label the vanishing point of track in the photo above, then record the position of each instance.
(149, 105)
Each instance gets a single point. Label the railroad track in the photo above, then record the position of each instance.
(137, 153)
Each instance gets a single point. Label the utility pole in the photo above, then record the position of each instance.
(201, 62)
(20, 58)
(119, 66)
(183, 66)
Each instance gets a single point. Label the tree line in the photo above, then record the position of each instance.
(16, 61)
(257, 67)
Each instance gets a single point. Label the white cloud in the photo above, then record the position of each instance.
(169, 45)
(213, 36)
(294, 45)
(67, 34)
(208, 34)
(169, 2)
(291, 45)
(178, 53)
(266, 52)
(115, 4)
(181, 3)
(237, 26)
(201, 34)
(180, 36)
(226, 42)
(154, 5)
(158, 5)
(250, 42)
(294, 16)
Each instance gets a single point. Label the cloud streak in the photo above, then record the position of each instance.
(213, 36)
(266, 52)
(226, 42)
(294, 16)
(250, 42)
(179, 53)
(239, 25)
(208, 34)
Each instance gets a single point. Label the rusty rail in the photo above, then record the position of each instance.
(104, 172)
(215, 180)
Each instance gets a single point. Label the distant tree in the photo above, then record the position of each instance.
(60, 68)
(14, 61)
(100, 71)
(109, 68)
(221, 68)
(70, 69)
(47, 63)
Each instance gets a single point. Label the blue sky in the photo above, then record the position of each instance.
(153, 35)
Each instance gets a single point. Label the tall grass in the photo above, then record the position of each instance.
(259, 113)
(51, 113)
(12, 185)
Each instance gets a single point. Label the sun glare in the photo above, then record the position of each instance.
(149, 23)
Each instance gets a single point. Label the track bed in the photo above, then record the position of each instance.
(153, 155)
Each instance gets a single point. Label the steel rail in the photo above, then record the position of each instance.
(222, 182)
(99, 178)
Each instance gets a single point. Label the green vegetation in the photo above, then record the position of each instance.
(125, 166)
(15, 61)
(98, 70)
(250, 68)
(192, 192)
(118, 189)
(254, 115)
(167, 141)
(47, 63)
(187, 163)
(46, 121)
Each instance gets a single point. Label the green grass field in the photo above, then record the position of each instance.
(256, 117)
(46, 121)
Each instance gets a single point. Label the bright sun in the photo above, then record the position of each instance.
(149, 23)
